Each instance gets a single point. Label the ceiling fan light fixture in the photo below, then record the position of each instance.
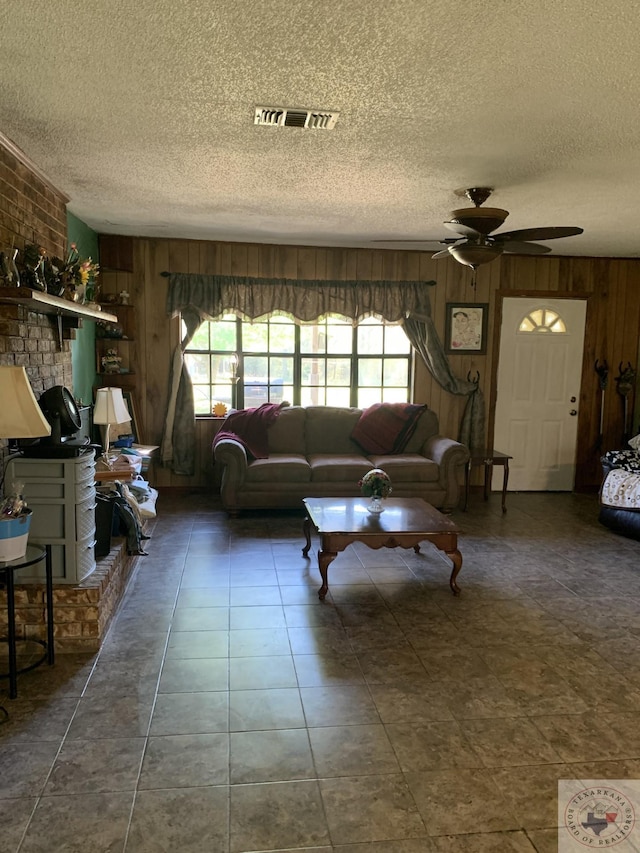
(484, 220)
(476, 244)
(473, 255)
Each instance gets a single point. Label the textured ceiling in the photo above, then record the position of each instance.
(141, 111)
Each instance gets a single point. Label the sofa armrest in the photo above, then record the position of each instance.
(450, 456)
(445, 451)
(233, 457)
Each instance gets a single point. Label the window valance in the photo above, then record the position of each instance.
(211, 296)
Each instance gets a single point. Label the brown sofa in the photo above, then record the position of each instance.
(312, 454)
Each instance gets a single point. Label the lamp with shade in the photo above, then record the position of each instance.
(20, 414)
(20, 417)
(110, 408)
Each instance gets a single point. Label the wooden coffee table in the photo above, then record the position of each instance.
(405, 523)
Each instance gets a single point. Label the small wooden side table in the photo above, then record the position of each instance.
(488, 458)
(33, 555)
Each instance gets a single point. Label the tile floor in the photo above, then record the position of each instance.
(230, 710)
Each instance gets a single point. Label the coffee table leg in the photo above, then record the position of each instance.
(324, 560)
(456, 559)
(306, 529)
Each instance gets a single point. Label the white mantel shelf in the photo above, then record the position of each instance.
(45, 303)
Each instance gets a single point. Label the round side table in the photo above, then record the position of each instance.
(34, 554)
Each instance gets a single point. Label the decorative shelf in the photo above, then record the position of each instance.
(45, 303)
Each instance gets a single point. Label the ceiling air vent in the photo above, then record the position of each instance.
(287, 117)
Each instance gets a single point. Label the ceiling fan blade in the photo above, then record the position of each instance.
(427, 243)
(518, 247)
(539, 233)
(442, 254)
(462, 230)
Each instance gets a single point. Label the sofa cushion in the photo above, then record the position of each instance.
(328, 430)
(286, 434)
(621, 489)
(408, 468)
(279, 468)
(426, 427)
(386, 427)
(331, 468)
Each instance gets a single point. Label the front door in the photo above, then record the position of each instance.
(538, 388)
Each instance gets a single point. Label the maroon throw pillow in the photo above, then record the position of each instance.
(386, 428)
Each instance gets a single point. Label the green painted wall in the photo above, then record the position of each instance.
(83, 348)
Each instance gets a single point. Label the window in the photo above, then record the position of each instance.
(330, 362)
(542, 320)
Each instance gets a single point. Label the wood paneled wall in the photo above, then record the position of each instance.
(611, 287)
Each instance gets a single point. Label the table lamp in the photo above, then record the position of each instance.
(110, 408)
(20, 417)
(20, 414)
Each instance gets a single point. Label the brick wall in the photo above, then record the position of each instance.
(29, 339)
(81, 614)
(31, 211)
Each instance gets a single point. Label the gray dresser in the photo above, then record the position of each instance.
(62, 495)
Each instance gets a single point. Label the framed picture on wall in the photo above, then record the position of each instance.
(466, 327)
(135, 424)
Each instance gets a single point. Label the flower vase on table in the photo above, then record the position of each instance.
(375, 504)
(376, 484)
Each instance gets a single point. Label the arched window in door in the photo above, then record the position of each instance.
(542, 321)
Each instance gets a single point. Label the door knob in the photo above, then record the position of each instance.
(573, 413)
(573, 399)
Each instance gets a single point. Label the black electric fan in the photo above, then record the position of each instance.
(60, 409)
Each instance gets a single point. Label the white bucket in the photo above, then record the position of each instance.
(14, 533)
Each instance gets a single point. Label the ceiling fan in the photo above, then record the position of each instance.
(476, 244)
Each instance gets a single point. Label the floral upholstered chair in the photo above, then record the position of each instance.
(620, 491)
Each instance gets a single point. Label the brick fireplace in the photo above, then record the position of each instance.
(32, 210)
(82, 613)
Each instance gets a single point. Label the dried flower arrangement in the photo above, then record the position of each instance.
(73, 278)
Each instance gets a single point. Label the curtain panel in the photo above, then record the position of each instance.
(209, 297)
(177, 449)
